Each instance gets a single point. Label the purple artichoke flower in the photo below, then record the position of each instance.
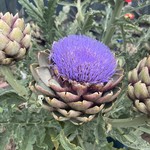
(81, 81)
(83, 59)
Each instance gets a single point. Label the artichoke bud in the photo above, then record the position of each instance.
(14, 37)
(36, 33)
(139, 86)
(121, 61)
(76, 85)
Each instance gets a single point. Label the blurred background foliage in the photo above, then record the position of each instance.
(24, 125)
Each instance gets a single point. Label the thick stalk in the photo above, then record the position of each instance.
(129, 122)
(15, 84)
(111, 27)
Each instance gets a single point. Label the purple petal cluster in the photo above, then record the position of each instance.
(83, 59)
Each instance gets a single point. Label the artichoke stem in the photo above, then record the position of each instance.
(128, 122)
(111, 24)
(15, 84)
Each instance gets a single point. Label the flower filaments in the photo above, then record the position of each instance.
(83, 59)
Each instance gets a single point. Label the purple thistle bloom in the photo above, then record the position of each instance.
(83, 59)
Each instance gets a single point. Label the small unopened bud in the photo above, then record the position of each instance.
(109, 128)
(121, 61)
(16, 35)
(129, 15)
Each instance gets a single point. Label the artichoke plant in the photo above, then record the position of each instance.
(78, 79)
(14, 38)
(36, 33)
(139, 87)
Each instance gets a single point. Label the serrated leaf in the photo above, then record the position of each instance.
(48, 140)
(144, 129)
(40, 5)
(99, 132)
(73, 28)
(1, 110)
(28, 139)
(49, 21)
(15, 84)
(32, 10)
(11, 98)
(6, 91)
(4, 139)
(66, 143)
(134, 9)
(131, 138)
(69, 128)
(109, 146)
(88, 22)
(55, 140)
(63, 15)
(40, 137)
(66, 4)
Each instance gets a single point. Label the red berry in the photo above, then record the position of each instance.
(128, 1)
(129, 15)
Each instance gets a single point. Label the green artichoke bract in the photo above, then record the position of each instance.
(14, 38)
(78, 79)
(139, 87)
